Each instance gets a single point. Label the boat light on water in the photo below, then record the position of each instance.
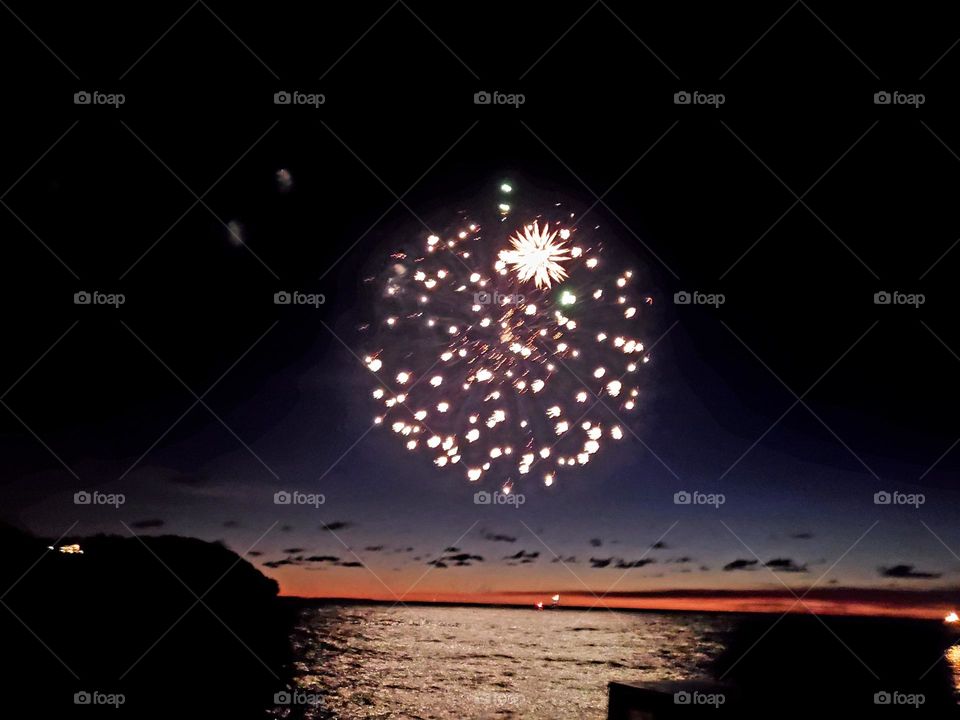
(554, 603)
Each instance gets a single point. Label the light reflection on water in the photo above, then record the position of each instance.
(953, 659)
(457, 662)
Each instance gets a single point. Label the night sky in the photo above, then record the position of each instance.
(198, 399)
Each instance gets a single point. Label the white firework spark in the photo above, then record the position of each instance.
(536, 256)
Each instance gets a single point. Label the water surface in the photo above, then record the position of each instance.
(481, 662)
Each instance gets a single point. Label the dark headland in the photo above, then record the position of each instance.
(123, 619)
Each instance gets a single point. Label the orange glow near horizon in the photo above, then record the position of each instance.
(750, 602)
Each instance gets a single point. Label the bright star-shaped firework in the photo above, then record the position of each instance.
(484, 365)
(536, 256)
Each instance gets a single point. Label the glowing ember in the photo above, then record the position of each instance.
(536, 256)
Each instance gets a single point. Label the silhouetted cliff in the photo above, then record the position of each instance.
(173, 624)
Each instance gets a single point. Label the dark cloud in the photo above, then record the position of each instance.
(659, 545)
(293, 551)
(802, 535)
(620, 563)
(907, 571)
(497, 537)
(523, 555)
(373, 548)
(300, 560)
(570, 559)
(460, 559)
(740, 565)
(336, 525)
(254, 553)
(451, 549)
(286, 528)
(146, 524)
(231, 524)
(625, 564)
(278, 563)
(596, 542)
(681, 560)
(351, 564)
(785, 565)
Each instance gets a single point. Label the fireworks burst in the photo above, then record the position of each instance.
(499, 361)
(535, 256)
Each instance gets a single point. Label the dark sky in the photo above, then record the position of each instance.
(798, 199)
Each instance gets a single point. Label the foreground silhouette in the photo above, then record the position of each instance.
(802, 666)
(118, 629)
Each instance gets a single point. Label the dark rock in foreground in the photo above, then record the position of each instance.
(121, 625)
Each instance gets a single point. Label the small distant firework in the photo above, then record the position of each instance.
(498, 343)
(235, 232)
(284, 180)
